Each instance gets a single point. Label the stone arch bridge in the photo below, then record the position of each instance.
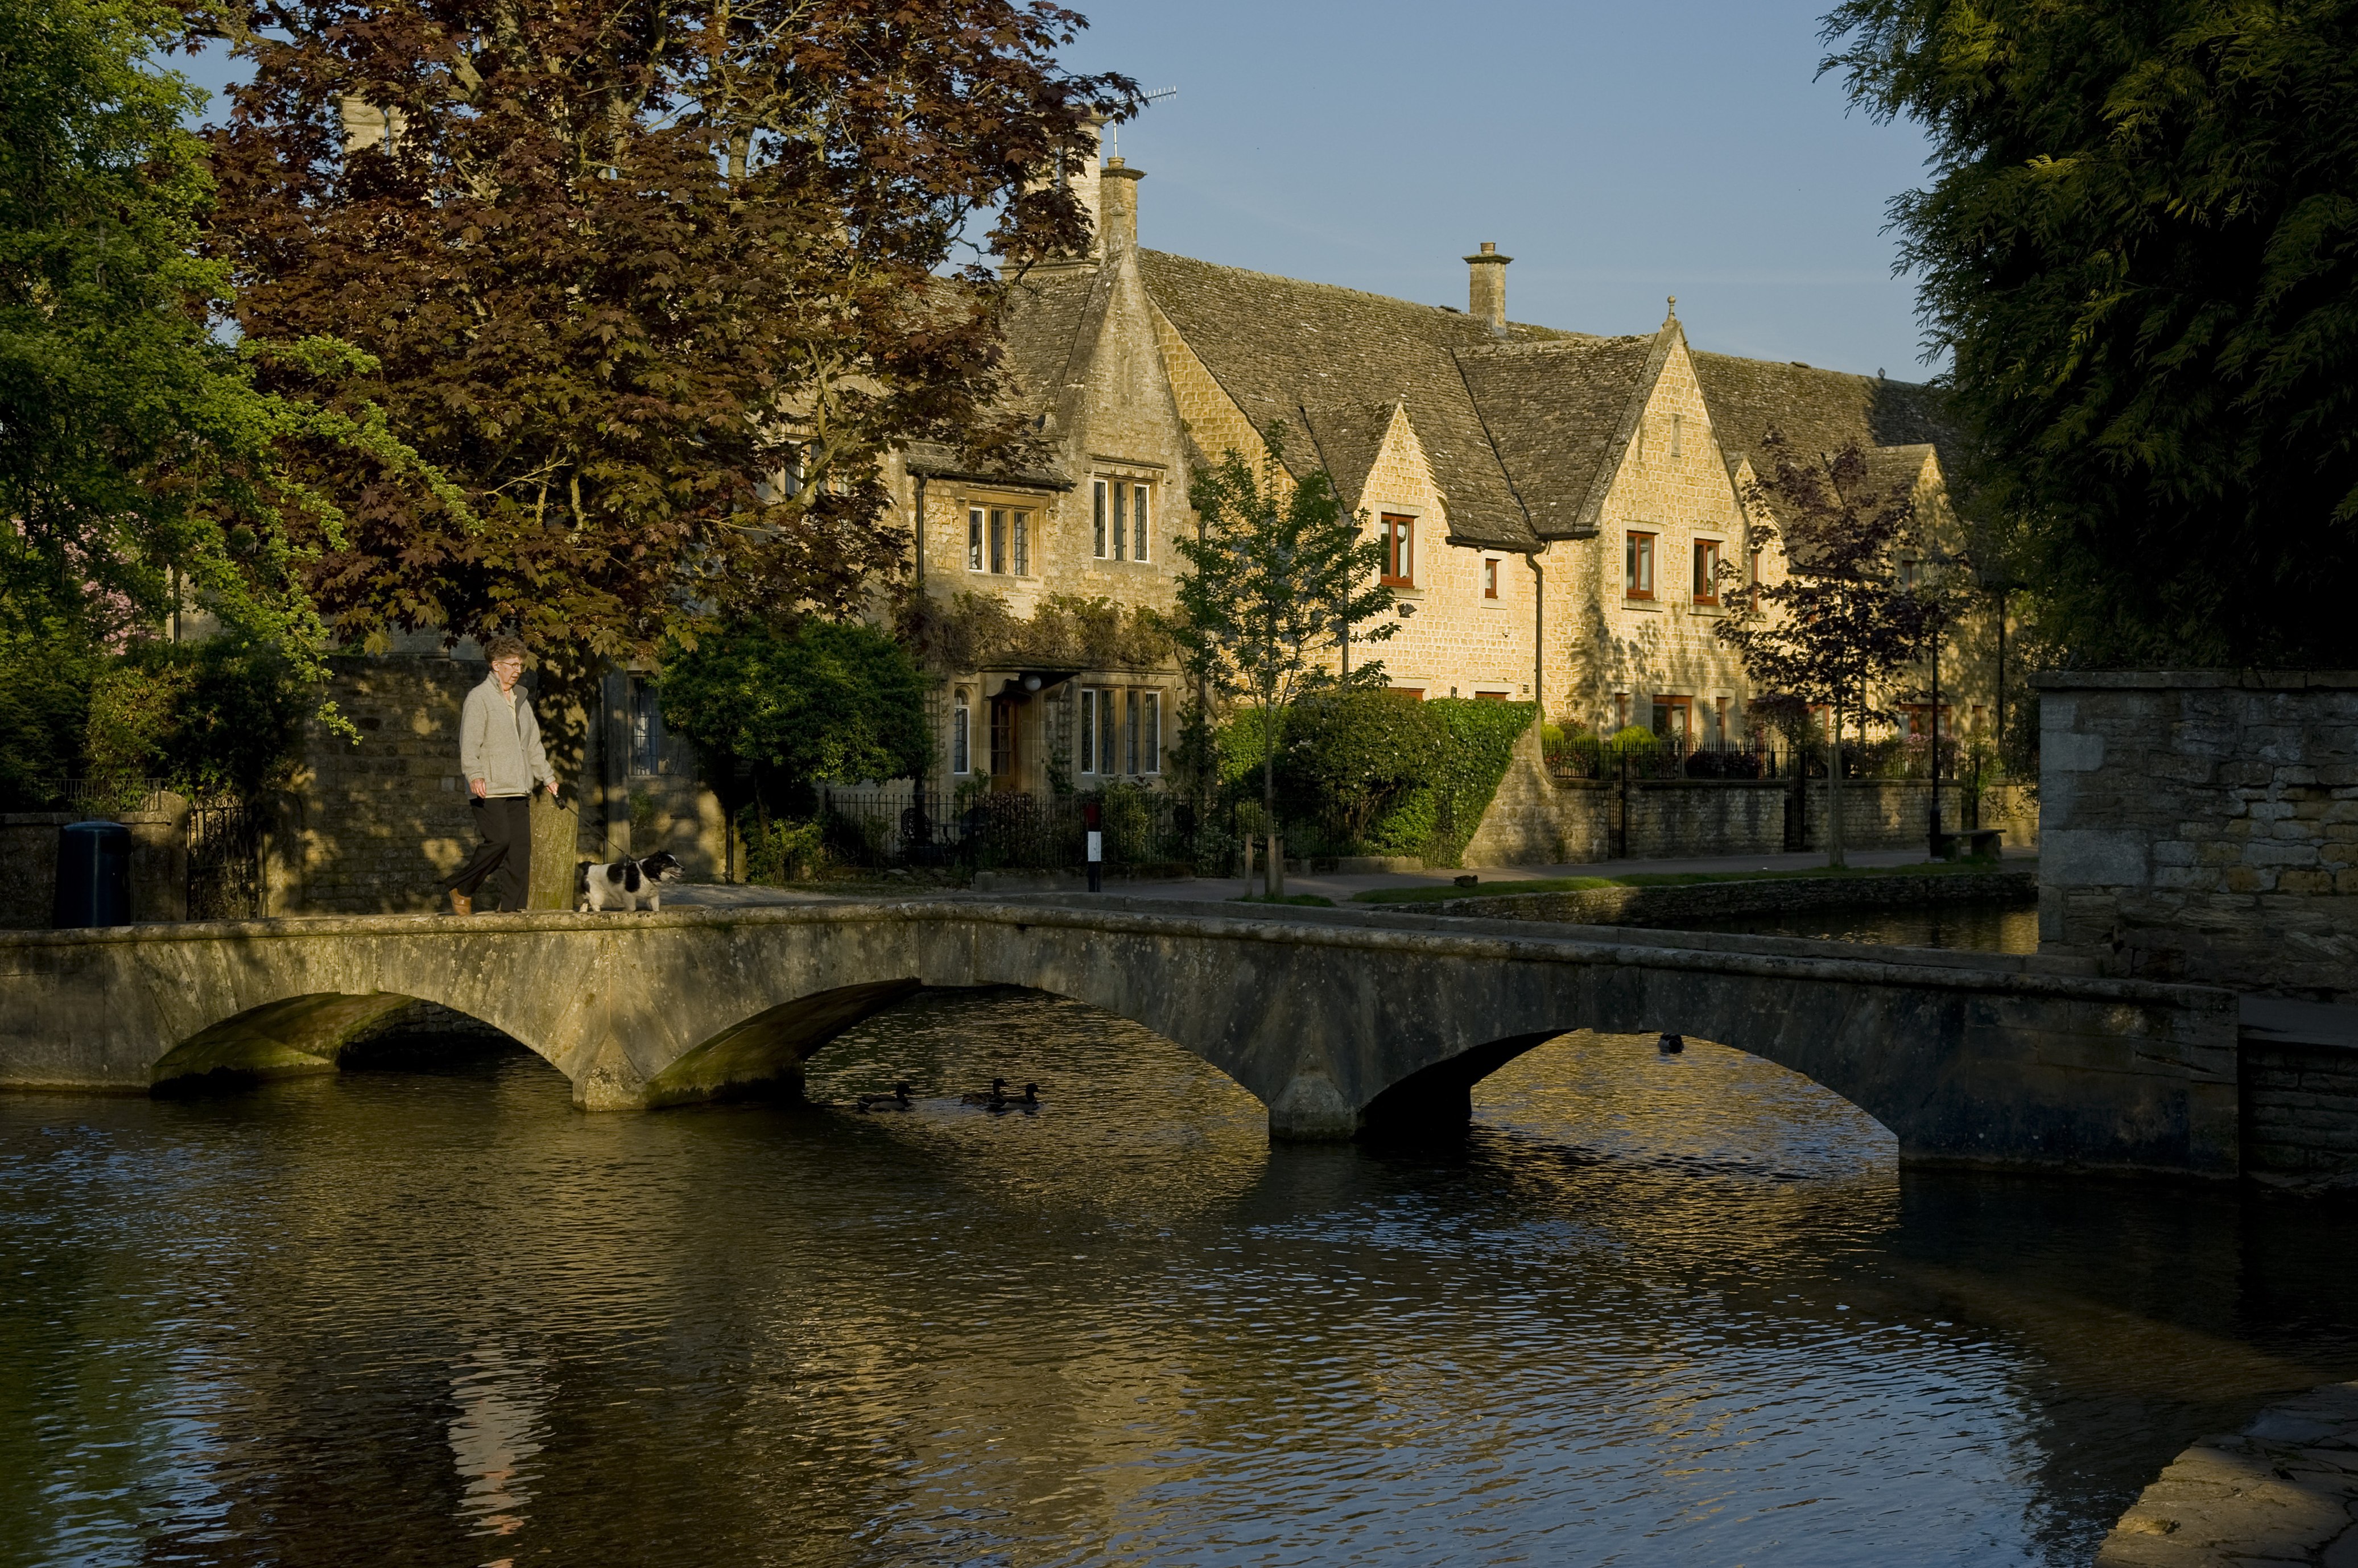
(1341, 1022)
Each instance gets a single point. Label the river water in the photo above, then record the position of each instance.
(1986, 927)
(1655, 1311)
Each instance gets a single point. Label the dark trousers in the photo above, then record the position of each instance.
(506, 822)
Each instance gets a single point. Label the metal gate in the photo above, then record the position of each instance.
(225, 859)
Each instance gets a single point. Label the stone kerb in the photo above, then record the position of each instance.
(2005, 1067)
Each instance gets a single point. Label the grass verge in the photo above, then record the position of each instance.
(1316, 900)
(1683, 879)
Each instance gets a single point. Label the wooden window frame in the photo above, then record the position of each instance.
(1665, 702)
(1638, 549)
(1707, 576)
(1490, 565)
(1399, 548)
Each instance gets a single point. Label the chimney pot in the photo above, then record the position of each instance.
(1486, 287)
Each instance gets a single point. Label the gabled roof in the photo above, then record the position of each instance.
(1348, 440)
(1558, 413)
(1817, 411)
(1278, 345)
(1046, 310)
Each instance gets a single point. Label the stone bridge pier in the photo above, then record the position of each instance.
(1341, 1023)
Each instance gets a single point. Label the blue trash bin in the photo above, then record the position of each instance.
(93, 875)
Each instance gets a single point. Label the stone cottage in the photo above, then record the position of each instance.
(1554, 507)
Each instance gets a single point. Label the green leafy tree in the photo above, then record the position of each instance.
(821, 701)
(659, 283)
(1278, 575)
(140, 468)
(1843, 620)
(2140, 246)
(1350, 754)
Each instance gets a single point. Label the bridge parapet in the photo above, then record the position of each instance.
(1340, 1022)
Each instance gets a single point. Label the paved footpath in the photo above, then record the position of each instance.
(2282, 1493)
(1341, 888)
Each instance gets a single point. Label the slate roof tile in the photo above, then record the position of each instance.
(1554, 412)
(1278, 345)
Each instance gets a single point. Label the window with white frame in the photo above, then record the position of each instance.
(998, 540)
(961, 731)
(1118, 520)
(646, 729)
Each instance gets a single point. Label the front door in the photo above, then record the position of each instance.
(1004, 763)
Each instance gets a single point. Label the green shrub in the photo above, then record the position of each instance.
(817, 702)
(776, 851)
(205, 718)
(1350, 757)
(1435, 821)
(46, 673)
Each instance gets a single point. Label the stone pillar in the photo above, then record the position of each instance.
(1486, 287)
(556, 839)
(1119, 186)
(1311, 1109)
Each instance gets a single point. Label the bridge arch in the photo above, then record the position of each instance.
(293, 1035)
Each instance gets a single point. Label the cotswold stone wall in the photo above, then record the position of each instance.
(159, 863)
(1536, 819)
(2204, 826)
(369, 827)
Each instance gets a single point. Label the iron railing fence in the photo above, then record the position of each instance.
(1582, 757)
(1895, 757)
(92, 797)
(887, 828)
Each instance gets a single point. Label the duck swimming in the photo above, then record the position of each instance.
(1028, 1100)
(997, 1097)
(897, 1100)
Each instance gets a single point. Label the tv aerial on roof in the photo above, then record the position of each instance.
(1113, 147)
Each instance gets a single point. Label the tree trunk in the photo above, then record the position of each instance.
(1276, 881)
(1833, 790)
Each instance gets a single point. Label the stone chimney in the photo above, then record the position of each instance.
(1118, 206)
(1486, 287)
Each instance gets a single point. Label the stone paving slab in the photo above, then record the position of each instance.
(2282, 1491)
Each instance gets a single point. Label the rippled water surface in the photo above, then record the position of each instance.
(1986, 927)
(1656, 1311)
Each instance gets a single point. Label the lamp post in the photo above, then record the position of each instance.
(1935, 565)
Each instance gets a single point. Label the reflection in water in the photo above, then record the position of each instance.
(492, 1436)
(1982, 927)
(1655, 1310)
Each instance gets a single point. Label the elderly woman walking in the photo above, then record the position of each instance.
(499, 751)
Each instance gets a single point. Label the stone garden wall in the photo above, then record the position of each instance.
(1537, 819)
(2203, 825)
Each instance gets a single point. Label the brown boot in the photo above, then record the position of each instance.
(460, 903)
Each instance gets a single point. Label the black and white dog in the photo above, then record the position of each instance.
(621, 884)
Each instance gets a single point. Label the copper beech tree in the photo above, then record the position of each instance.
(658, 284)
(1845, 617)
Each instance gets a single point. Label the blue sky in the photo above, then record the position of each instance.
(1620, 153)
